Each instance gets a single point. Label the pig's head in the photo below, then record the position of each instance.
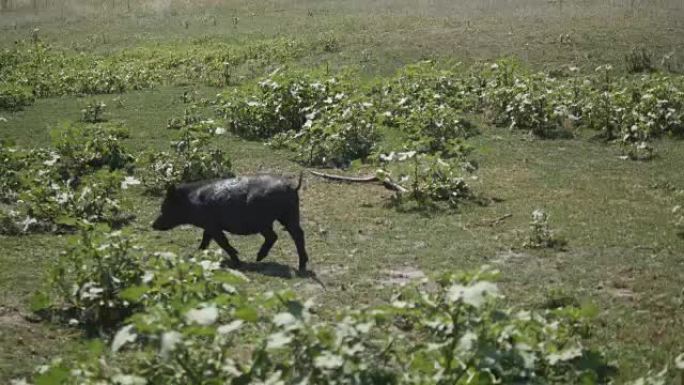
(174, 210)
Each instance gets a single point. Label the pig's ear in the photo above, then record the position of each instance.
(171, 190)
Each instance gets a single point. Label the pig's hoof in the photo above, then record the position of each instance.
(232, 264)
(260, 257)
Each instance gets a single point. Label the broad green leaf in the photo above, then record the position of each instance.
(134, 293)
(55, 375)
(247, 313)
(39, 301)
(589, 310)
(66, 221)
(230, 277)
(295, 308)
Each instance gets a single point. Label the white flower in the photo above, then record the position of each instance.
(565, 355)
(210, 265)
(128, 379)
(538, 215)
(204, 316)
(229, 328)
(169, 340)
(122, 337)
(679, 362)
(129, 181)
(50, 162)
(328, 360)
(473, 295)
(284, 319)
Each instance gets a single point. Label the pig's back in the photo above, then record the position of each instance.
(242, 191)
(245, 205)
(221, 193)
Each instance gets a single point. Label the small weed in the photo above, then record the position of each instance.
(639, 60)
(541, 236)
(678, 215)
(330, 43)
(559, 297)
(429, 180)
(93, 111)
(15, 97)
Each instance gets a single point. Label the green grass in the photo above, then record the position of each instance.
(623, 254)
(379, 36)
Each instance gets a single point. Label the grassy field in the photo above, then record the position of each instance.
(622, 254)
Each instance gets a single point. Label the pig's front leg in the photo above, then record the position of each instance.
(222, 241)
(206, 239)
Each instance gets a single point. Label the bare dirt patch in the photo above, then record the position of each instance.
(12, 318)
(402, 275)
(509, 256)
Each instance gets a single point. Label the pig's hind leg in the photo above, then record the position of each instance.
(270, 238)
(291, 224)
(297, 235)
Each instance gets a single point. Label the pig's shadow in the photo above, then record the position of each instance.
(270, 269)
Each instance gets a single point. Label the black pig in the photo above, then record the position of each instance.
(244, 205)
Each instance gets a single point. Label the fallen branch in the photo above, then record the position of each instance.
(500, 219)
(342, 178)
(495, 222)
(364, 179)
(393, 186)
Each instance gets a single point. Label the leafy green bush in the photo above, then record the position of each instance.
(190, 160)
(31, 69)
(14, 97)
(345, 133)
(50, 191)
(426, 105)
(424, 83)
(639, 59)
(47, 205)
(166, 169)
(452, 331)
(87, 280)
(428, 179)
(281, 102)
(12, 161)
(92, 112)
(436, 130)
(83, 149)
